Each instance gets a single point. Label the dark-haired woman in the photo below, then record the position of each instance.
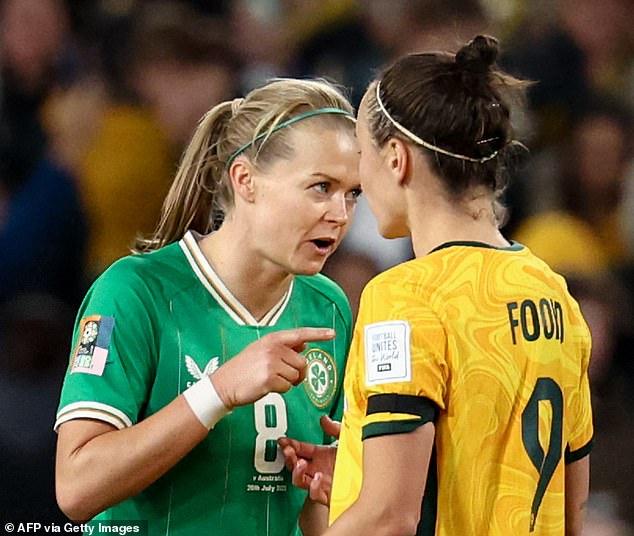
(468, 407)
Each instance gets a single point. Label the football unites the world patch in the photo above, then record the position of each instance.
(91, 352)
(387, 352)
(321, 377)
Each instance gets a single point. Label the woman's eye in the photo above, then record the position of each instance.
(322, 187)
(354, 194)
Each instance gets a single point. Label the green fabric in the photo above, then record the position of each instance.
(167, 329)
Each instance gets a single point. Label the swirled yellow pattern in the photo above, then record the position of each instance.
(500, 346)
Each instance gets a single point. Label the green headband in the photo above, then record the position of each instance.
(305, 115)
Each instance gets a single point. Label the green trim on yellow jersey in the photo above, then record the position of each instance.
(575, 455)
(515, 246)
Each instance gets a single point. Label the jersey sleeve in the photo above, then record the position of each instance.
(113, 351)
(403, 371)
(580, 427)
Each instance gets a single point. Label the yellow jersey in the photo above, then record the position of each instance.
(488, 343)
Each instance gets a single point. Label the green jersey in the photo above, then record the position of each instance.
(154, 324)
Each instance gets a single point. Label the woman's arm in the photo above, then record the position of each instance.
(313, 519)
(394, 476)
(98, 466)
(577, 486)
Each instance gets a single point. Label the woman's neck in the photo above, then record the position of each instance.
(255, 282)
(439, 221)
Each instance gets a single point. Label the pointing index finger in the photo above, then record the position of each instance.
(299, 336)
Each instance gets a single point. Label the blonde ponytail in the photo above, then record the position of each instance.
(192, 202)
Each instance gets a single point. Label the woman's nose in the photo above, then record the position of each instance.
(338, 210)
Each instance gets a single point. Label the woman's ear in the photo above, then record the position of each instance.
(398, 159)
(242, 179)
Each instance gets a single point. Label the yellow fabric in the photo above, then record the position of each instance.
(123, 178)
(463, 304)
(566, 243)
(308, 19)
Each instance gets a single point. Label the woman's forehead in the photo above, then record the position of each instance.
(329, 151)
(308, 132)
(362, 116)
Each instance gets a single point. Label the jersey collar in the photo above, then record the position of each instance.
(514, 246)
(214, 285)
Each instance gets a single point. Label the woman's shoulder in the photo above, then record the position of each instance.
(144, 269)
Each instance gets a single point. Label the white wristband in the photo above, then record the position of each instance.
(205, 402)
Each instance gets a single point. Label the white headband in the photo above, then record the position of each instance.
(424, 143)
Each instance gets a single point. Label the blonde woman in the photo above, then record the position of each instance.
(185, 354)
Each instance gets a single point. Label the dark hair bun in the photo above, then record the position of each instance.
(478, 55)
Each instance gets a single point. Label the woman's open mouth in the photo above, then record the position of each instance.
(324, 246)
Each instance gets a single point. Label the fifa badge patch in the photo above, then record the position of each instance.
(387, 352)
(91, 353)
(321, 377)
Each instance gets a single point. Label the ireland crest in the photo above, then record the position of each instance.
(321, 377)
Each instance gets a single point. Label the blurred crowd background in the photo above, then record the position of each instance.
(98, 99)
